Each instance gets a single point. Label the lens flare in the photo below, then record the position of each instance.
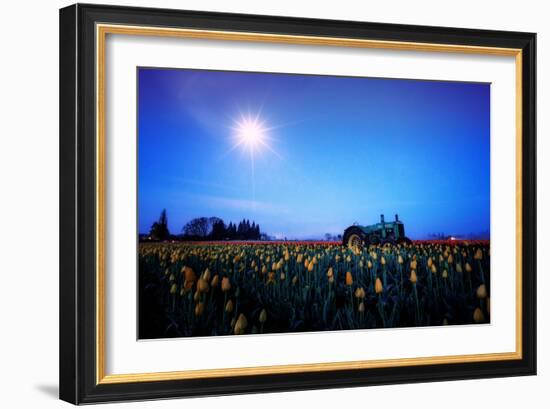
(250, 133)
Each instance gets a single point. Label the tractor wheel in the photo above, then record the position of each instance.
(354, 238)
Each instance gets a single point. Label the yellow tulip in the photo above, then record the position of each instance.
(481, 291)
(226, 284)
(478, 255)
(229, 306)
(378, 287)
(478, 315)
(202, 285)
(240, 325)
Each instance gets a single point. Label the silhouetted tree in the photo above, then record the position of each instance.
(247, 230)
(253, 235)
(240, 230)
(218, 230)
(231, 231)
(197, 228)
(214, 228)
(159, 229)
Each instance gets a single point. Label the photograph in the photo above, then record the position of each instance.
(260, 201)
(288, 203)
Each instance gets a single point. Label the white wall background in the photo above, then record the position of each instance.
(29, 201)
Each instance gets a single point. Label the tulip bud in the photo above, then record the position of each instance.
(413, 278)
(378, 288)
(240, 325)
(199, 309)
(226, 284)
(202, 285)
(263, 316)
(189, 274)
(478, 315)
(478, 255)
(229, 306)
(349, 279)
(481, 291)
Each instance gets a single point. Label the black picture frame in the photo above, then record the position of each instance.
(78, 258)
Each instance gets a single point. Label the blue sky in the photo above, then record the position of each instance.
(341, 150)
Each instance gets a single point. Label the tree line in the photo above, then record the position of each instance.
(206, 228)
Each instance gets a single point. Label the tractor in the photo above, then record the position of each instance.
(357, 236)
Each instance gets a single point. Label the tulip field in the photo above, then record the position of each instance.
(225, 288)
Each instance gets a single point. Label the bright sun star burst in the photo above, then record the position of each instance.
(250, 133)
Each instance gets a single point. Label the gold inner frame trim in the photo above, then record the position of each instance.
(101, 33)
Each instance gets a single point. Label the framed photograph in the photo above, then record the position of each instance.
(258, 203)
